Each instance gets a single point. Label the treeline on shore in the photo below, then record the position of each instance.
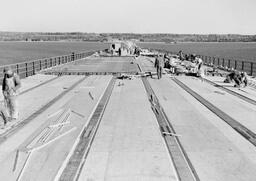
(103, 37)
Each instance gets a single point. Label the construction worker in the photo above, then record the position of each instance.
(199, 62)
(237, 77)
(10, 87)
(159, 64)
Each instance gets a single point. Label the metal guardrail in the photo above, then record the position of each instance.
(29, 68)
(231, 64)
(226, 64)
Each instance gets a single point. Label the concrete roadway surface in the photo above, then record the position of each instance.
(99, 65)
(128, 144)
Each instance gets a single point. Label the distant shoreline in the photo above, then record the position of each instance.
(153, 42)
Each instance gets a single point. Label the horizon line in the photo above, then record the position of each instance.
(127, 33)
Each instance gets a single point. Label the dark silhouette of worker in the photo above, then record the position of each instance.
(119, 52)
(181, 55)
(238, 78)
(159, 64)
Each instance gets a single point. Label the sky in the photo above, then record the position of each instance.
(130, 16)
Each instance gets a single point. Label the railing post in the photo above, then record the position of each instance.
(40, 65)
(50, 62)
(218, 61)
(251, 68)
(33, 65)
(26, 67)
(235, 64)
(223, 62)
(17, 68)
(72, 56)
(242, 65)
(229, 63)
(45, 63)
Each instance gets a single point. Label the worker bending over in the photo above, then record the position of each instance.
(238, 78)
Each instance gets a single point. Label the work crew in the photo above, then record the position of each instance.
(10, 87)
(237, 77)
(159, 64)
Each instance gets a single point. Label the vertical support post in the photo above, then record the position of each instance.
(26, 67)
(40, 64)
(73, 56)
(17, 68)
(218, 61)
(33, 66)
(45, 62)
(235, 64)
(223, 62)
(251, 68)
(229, 63)
(242, 65)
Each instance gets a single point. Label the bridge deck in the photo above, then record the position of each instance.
(98, 127)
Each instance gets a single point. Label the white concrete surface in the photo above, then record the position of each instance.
(44, 163)
(31, 81)
(248, 91)
(146, 64)
(235, 107)
(32, 101)
(216, 150)
(128, 145)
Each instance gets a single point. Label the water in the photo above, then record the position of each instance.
(15, 52)
(228, 50)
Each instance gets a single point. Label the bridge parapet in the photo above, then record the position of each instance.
(30, 68)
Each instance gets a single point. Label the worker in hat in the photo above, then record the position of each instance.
(10, 87)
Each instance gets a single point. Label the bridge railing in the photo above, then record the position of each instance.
(30, 68)
(226, 64)
(231, 64)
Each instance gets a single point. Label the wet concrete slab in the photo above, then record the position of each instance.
(146, 64)
(99, 65)
(216, 151)
(128, 144)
